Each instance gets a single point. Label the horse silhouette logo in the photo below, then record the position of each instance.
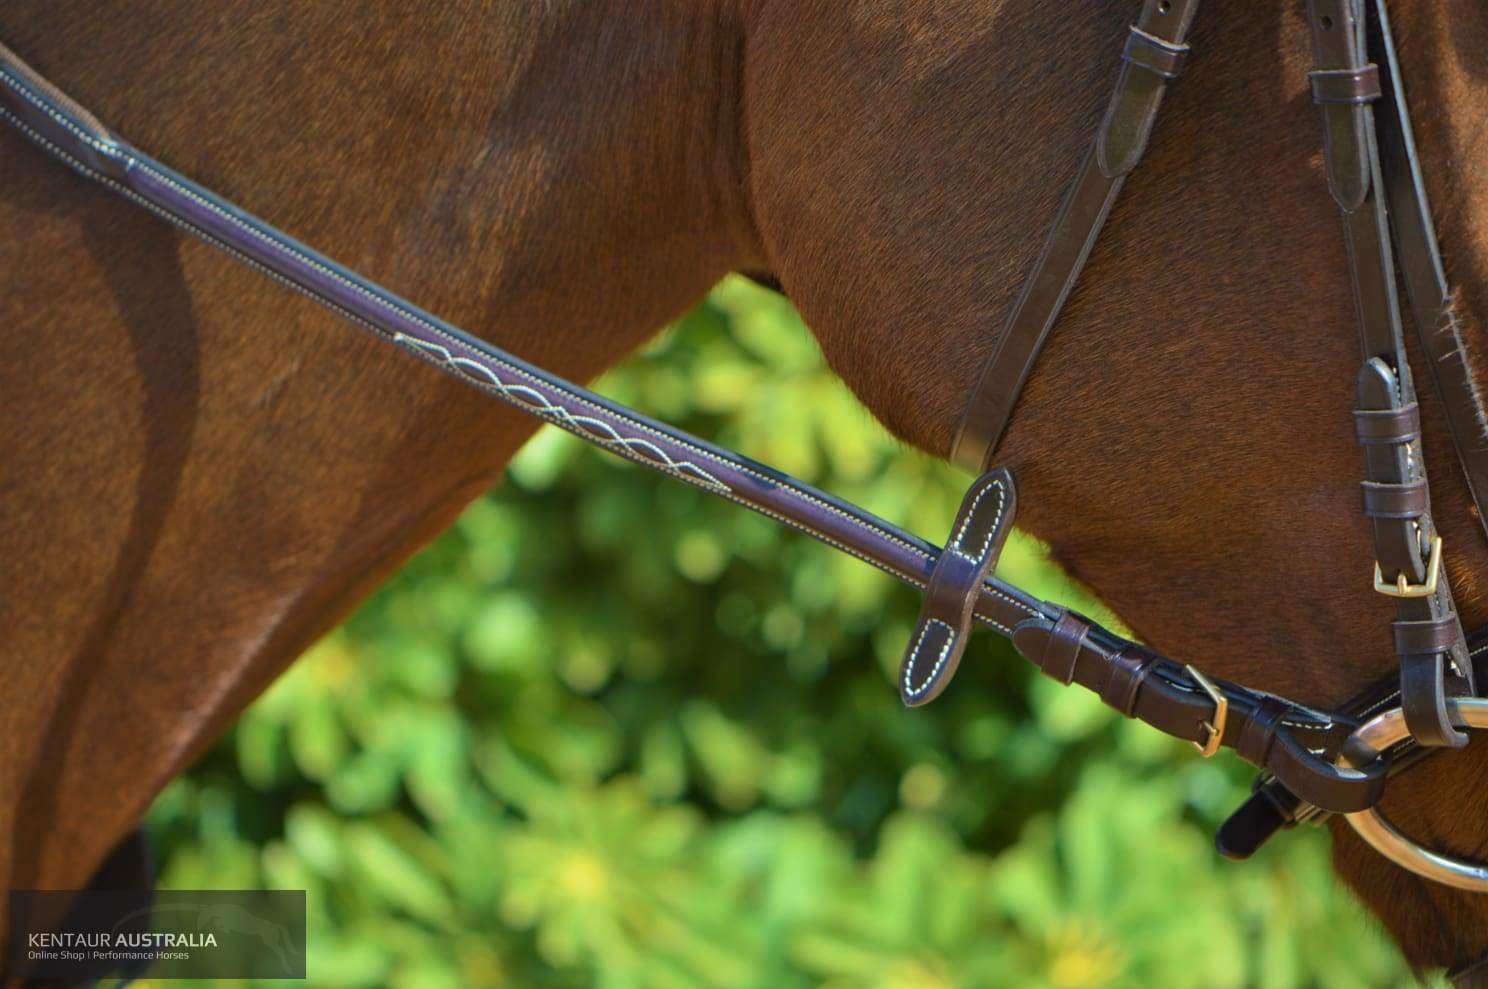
(230, 918)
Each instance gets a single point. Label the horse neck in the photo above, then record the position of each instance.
(1185, 445)
(1190, 453)
(241, 467)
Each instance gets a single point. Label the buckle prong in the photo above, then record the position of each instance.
(1215, 727)
(1402, 587)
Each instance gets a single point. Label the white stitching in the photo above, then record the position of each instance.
(92, 140)
(850, 551)
(598, 430)
(131, 161)
(195, 231)
(517, 371)
(971, 514)
(945, 651)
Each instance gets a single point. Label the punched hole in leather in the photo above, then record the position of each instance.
(944, 625)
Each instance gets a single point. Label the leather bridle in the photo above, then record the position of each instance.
(1374, 176)
(1313, 762)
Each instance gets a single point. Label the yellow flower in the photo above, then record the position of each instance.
(1081, 957)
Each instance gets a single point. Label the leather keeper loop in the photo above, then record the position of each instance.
(1359, 85)
(1128, 668)
(1425, 637)
(1374, 426)
(1423, 698)
(1395, 501)
(1063, 649)
(940, 633)
(1259, 731)
(1152, 53)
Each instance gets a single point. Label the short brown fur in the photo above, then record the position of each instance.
(204, 472)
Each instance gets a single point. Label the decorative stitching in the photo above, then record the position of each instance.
(131, 162)
(513, 369)
(441, 356)
(540, 405)
(945, 650)
(433, 361)
(568, 393)
(598, 430)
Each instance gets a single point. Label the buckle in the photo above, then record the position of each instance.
(1216, 727)
(1403, 588)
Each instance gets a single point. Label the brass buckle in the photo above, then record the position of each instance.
(1215, 728)
(1403, 588)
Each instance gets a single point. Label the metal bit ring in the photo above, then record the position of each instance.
(1379, 734)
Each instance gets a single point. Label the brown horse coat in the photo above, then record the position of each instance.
(205, 472)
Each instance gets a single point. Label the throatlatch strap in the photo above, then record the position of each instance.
(940, 633)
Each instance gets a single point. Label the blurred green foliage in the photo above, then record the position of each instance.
(611, 732)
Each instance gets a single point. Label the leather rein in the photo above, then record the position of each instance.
(1313, 762)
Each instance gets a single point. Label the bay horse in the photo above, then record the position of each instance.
(204, 473)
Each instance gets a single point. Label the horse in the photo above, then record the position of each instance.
(208, 473)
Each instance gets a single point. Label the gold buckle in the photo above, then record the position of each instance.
(1215, 728)
(1403, 588)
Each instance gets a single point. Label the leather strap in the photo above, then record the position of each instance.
(1126, 671)
(1423, 697)
(1338, 46)
(1392, 425)
(1300, 743)
(1471, 975)
(1360, 85)
(1063, 647)
(1273, 807)
(1388, 423)
(130, 866)
(1421, 269)
(1270, 808)
(1256, 738)
(1395, 501)
(1155, 53)
(1289, 741)
(1433, 635)
(944, 625)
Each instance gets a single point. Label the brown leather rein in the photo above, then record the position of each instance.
(1313, 762)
